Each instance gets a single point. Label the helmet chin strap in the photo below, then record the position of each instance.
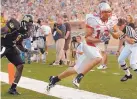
(3, 50)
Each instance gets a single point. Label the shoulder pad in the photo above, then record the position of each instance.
(91, 20)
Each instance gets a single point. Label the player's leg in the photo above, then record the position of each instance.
(93, 54)
(133, 58)
(70, 71)
(14, 57)
(43, 56)
(54, 79)
(121, 60)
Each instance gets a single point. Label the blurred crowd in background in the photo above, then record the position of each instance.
(74, 9)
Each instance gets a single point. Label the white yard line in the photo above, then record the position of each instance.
(58, 91)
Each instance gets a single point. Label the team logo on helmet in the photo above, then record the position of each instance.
(28, 18)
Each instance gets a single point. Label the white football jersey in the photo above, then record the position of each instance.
(100, 28)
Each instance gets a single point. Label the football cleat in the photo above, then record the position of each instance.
(52, 83)
(77, 80)
(13, 92)
(75, 83)
(125, 78)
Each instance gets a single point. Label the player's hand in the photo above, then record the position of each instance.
(132, 41)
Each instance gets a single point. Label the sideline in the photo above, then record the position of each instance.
(58, 91)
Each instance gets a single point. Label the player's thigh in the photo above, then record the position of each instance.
(124, 53)
(91, 52)
(80, 63)
(14, 57)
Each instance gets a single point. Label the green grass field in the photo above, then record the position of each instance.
(26, 94)
(99, 81)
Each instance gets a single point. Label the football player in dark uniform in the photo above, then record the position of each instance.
(12, 35)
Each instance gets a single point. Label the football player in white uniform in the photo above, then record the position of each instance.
(98, 27)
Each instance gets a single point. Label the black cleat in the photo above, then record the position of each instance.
(13, 92)
(125, 78)
(77, 80)
(53, 80)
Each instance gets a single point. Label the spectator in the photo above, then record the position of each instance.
(79, 49)
(3, 21)
(130, 21)
(67, 39)
(59, 31)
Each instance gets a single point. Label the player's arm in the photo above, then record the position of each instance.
(19, 44)
(88, 37)
(119, 34)
(130, 40)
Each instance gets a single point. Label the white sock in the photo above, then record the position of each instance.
(127, 72)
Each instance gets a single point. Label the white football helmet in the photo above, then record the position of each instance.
(104, 7)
